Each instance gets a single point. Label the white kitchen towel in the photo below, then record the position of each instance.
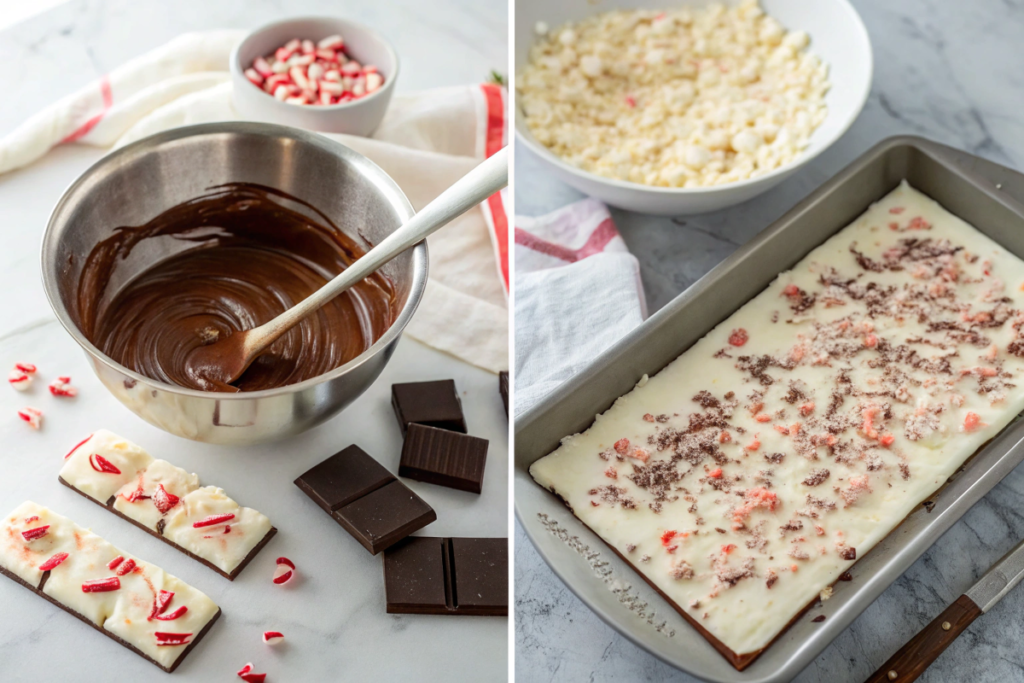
(578, 291)
(427, 141)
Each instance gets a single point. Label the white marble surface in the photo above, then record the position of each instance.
(949, 71)
(333, 616)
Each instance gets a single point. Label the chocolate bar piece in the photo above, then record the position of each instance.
(365, 499)
(167, 502)
(427, 575)
(435, 404)
(139, 605)
(503, 388)
(437, 456)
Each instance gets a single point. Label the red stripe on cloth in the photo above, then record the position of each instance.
(493, 142)
(595, 244)
(108, 102)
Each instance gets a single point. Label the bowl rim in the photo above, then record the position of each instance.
(236, 67)
(523, 135)
(420, 261)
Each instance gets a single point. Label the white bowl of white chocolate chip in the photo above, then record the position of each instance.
(683, 107)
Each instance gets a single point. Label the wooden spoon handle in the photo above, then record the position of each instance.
(913, 658)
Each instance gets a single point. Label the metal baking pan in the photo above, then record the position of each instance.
(986, 195)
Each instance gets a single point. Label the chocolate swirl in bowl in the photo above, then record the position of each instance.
(258, 251)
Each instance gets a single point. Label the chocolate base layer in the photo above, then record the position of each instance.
(109, 505)
(169, 669)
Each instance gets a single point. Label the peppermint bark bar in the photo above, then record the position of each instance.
(748, 475)
(135, 603)
(166, 501)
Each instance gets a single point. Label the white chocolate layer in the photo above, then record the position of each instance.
(79, 470)
(742, 480)
(126, 611)
(226, 544)
(130, 619)
(23, 558)
(137, 494)
(142, 505)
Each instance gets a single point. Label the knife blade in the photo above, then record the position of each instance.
(924, 648)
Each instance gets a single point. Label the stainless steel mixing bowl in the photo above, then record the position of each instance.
(133, 184)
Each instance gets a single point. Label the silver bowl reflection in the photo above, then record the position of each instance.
(133, 184)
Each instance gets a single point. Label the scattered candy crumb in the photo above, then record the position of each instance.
(272, 637)
(284, 572)
(33, 416)
(61, 387)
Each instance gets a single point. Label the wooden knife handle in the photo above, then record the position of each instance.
(914, 657)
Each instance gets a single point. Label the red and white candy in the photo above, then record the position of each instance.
(301, 72)
(20, 378)
(247, 675)
(62, 387)
(285, 571)
(32, 416)
(272, 637)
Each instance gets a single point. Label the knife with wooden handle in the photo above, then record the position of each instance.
(923, 649)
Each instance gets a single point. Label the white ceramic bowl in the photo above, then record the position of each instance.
(358, 117)
(838, 37)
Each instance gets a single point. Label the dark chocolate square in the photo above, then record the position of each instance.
(438, 456)
(481, 575)
(435, 404)
(365, 499)
(385, 516)
(343, 478)
(503, 388)
(424, 575)
(414, 577)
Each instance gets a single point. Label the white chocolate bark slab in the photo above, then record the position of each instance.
(165, 499)
(160, 477)
(224, 544)
(129, 610)
(83, 471)
(130, 619)
(748, 477)
(23, 558)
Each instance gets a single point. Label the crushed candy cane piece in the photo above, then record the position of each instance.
(62, 387)
(53, 562)
(213, 520)
(172, 639)
(126, 567)
(27, 368)
(173, 615)
(163, 499)
(247, 675)
(739, 337)
(102, 585)
(19, 380)
(284, 572)
(102, 465)
(160, 603)
(38, 532)
(272, 637)
(112, 565)
(32, 416)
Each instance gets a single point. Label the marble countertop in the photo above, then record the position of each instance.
(333, 616)
(946, 71)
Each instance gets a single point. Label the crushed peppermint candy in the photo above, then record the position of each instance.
(61, 387)
(319, 74)
(33, 416)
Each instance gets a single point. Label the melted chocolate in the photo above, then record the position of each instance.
(254, 258)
